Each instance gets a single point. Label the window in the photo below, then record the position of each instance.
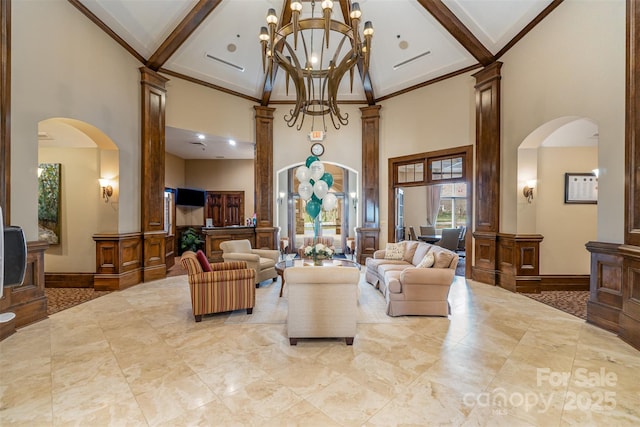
(411, 173)
(453, 205)
(446, 168)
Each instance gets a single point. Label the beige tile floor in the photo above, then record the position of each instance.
(137, 358)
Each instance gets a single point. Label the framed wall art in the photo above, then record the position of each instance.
(580, 188)
(49, 200)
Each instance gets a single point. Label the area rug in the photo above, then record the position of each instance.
(59, 299)
(270, 308)
(572, 302)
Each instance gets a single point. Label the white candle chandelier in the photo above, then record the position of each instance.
(301, 48)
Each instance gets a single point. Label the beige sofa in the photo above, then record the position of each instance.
(409, 289)
(323, 302)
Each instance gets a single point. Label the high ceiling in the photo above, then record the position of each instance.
(180, 37)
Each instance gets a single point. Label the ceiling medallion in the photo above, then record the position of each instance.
(302, 49)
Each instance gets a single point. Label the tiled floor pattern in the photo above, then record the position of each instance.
(137, 358)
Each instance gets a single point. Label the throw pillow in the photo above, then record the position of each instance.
(204, 262)
(427, 261)
(394, 251)
(443, 259)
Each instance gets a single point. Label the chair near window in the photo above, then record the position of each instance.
(427, 230)
(461, 241)
(412, 233)
(449, 239)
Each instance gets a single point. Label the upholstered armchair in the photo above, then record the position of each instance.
(323, 302)
(262, 261)
(227, 286)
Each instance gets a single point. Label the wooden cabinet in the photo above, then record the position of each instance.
(225, 208)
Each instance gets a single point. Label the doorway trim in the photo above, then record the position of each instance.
(465, 151)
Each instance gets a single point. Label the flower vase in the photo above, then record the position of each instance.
(317, 260)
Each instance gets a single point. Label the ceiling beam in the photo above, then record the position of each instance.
(270, 78)
(188, 25)
(345, 6)
(458, 30)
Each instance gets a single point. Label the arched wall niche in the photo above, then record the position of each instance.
(85, 154)
(564, 145)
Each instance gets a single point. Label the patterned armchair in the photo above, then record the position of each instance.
(229, 286)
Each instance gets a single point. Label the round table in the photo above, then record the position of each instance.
(308, 262)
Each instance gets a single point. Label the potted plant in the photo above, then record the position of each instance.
(190, 240)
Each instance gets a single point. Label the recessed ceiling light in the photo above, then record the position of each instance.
(200, 136)
(232, 142)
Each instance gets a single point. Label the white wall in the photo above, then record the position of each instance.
(79, 73)
(571, 64)
(565, 227)
(435, 117)
(81, 204)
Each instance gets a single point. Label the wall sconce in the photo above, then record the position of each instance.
(354, 199)
(107, 189)
(282, 194)
(528, 190)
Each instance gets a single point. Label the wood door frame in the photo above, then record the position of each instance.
(465, 151)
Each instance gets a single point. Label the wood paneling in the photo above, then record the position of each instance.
(369, 203)
(27, 301)
(564, 282)
(263, 177)
(487, 195)
(214, 236)
(5, 110)
(518, 260)
(605, 287)
(118, 261)
(153, 97)
(629, 320)
(68, 280)
(169, 254)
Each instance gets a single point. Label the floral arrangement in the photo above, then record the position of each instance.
(319, 250)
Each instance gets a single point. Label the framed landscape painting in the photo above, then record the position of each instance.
(49, 192)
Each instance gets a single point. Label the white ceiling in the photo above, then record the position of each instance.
(230, 32)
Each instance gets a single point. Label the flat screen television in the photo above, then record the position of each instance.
(13, 255)
(190, 197)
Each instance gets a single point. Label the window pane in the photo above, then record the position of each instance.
(436, 170)
(460, 212)
(411, 173)
(444, 214)
(456, 168)
(446, 169)
(419, 172)
(402, 173)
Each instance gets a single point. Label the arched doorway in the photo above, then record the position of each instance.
(82, 155)
(340, 223)
(565, 145)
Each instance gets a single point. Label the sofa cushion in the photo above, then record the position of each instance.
(204, 262)
(420, 253)
(386, 268)
(410, 247)
(394, 251)
(427, 261)
(443, 259)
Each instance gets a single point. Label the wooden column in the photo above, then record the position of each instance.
(605, 287)
(152, 166)
(263, 179)
(368, 235)
(630, 314)
(487, 195)
(5, 109)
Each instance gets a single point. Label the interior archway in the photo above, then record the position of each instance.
(290, 209)
(563, 145)
(83, 154)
